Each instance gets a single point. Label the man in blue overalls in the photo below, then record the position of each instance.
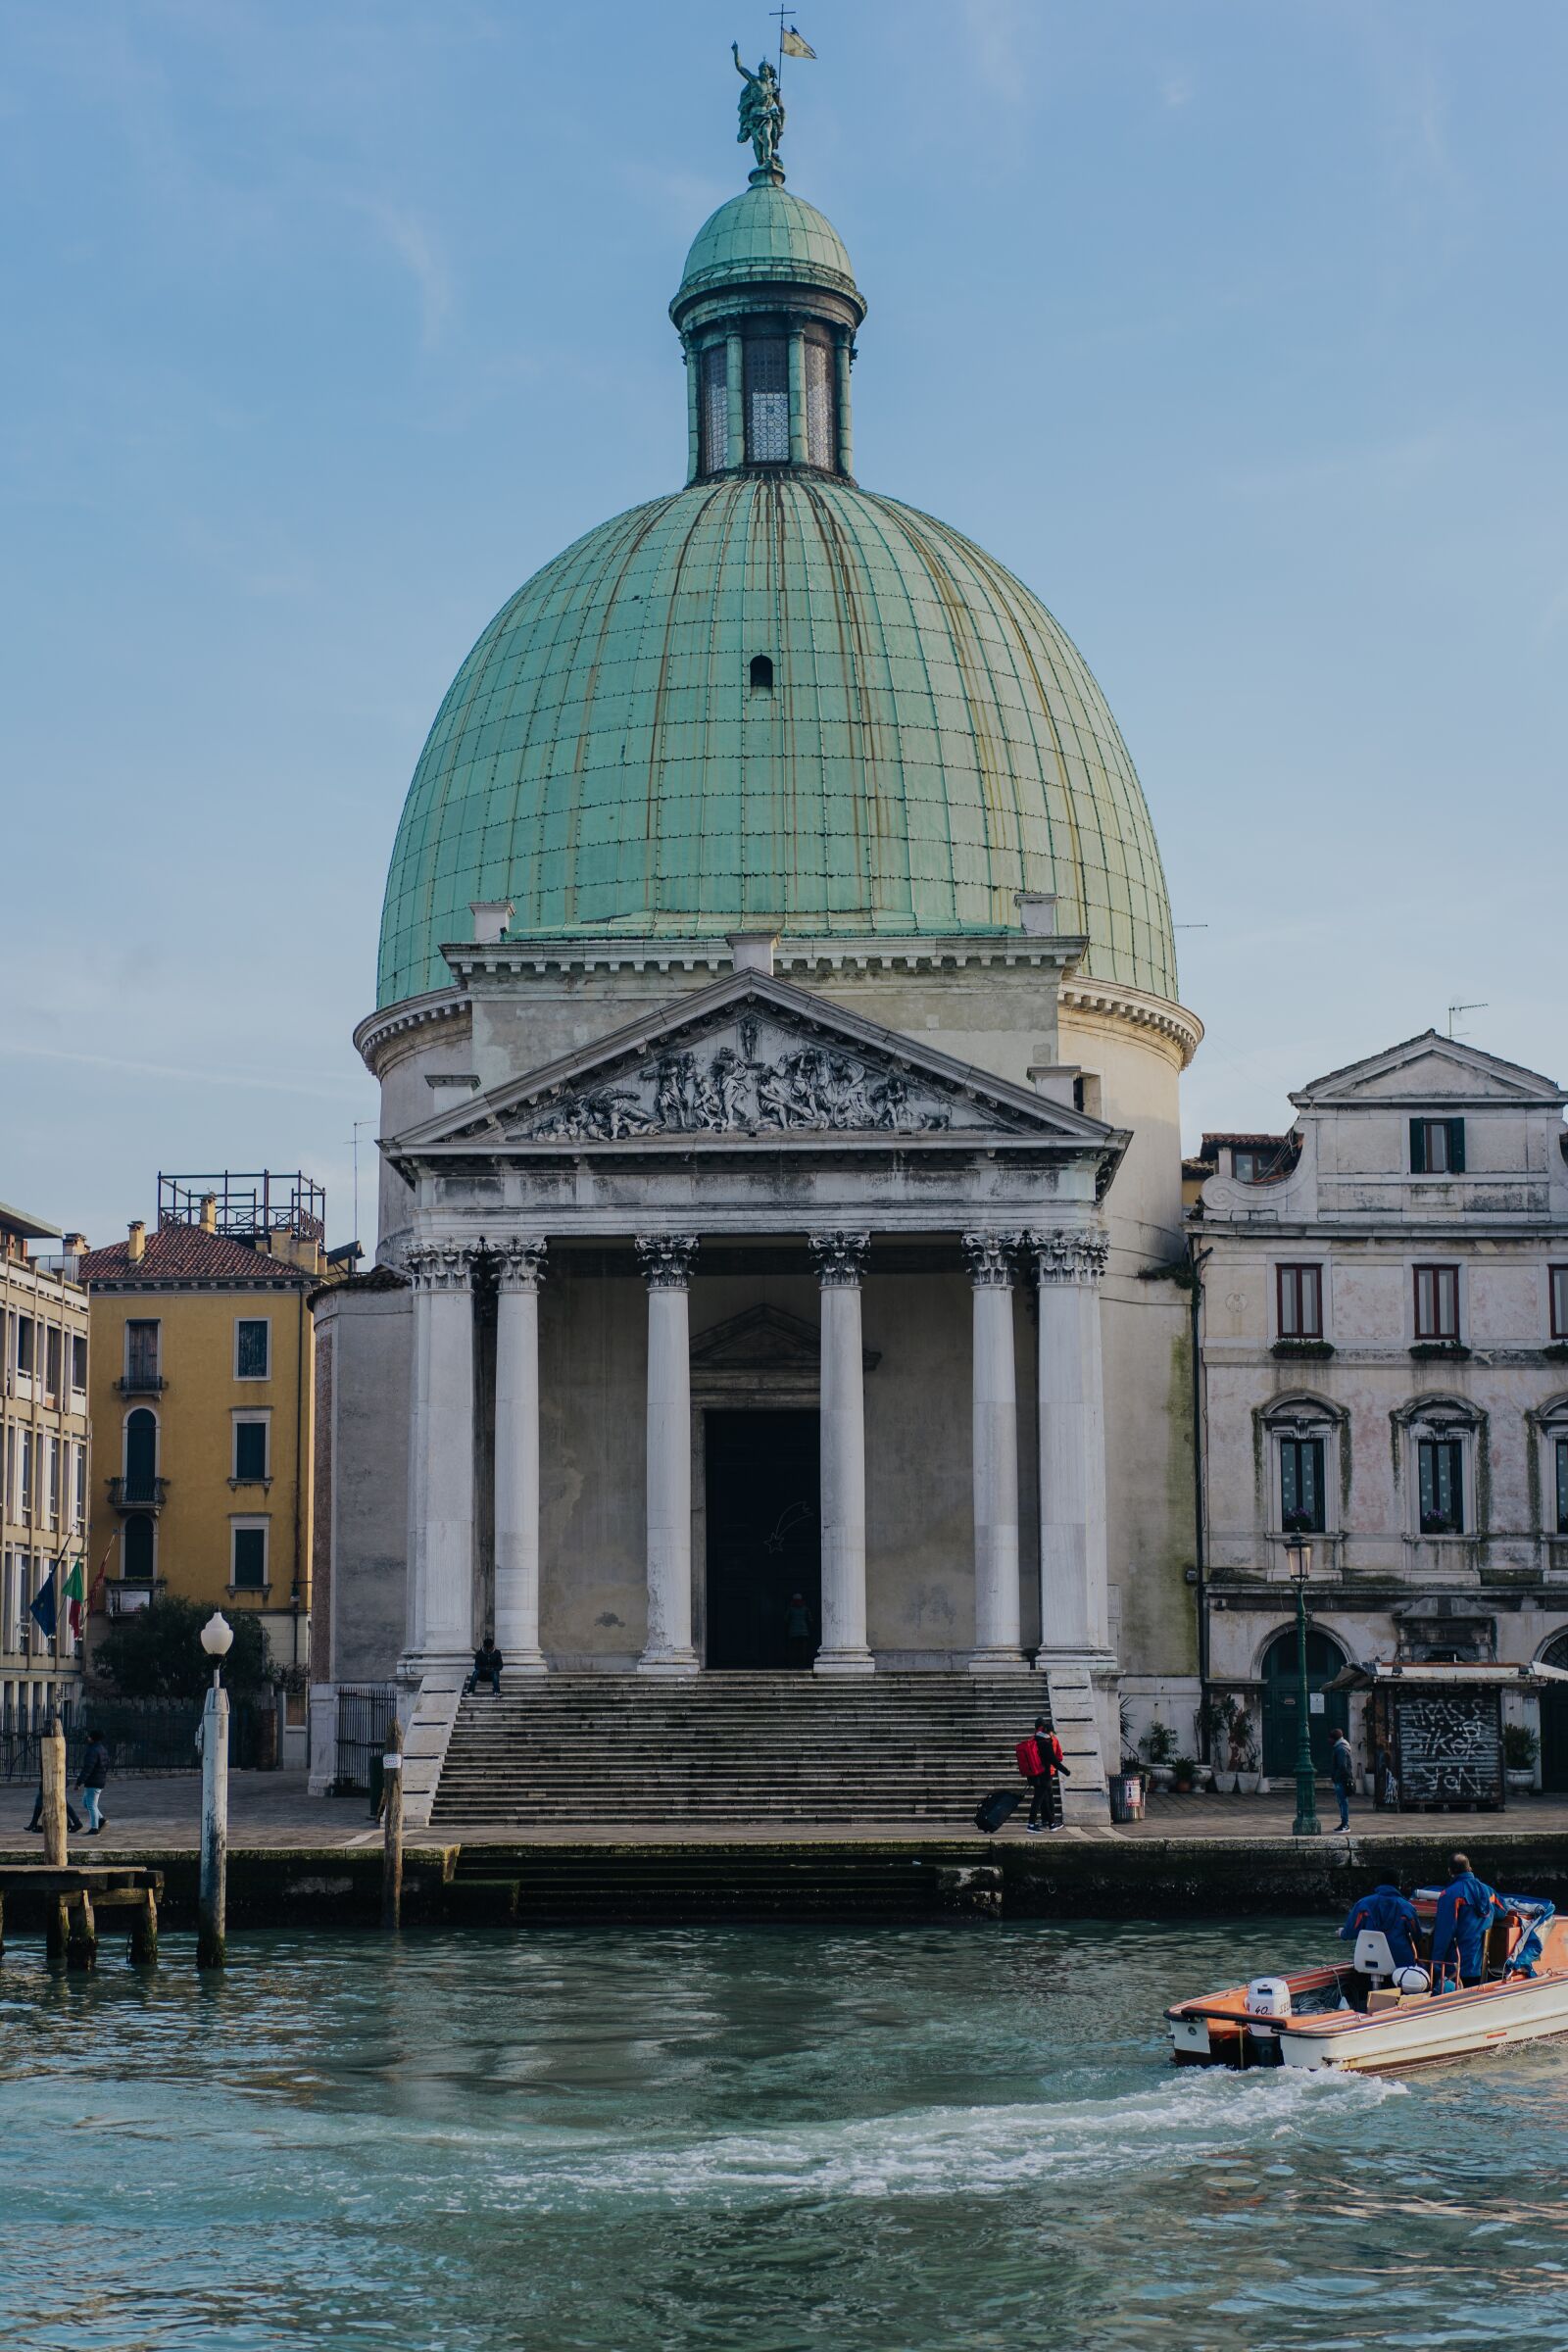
(1466, 1908)
(1387, 1911)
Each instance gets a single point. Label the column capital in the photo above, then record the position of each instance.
(519, 1261)
(667, 1259)
(1073, 1254)
(441, 1265)
(839, 1258)
(990, 1258)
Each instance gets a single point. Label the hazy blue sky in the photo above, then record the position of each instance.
(1237, 328)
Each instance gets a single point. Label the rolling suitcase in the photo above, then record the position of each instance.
(999, 1806)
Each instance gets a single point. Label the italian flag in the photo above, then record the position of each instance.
(74, 1592)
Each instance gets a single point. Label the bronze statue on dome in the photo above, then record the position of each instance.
(761, 109)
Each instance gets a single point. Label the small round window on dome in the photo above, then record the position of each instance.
(761, 673)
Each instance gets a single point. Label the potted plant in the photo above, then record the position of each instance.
(1216, 1718)
(1520, 1749)
(1183, 1773)
(1159, 1746)
(1244, 1754)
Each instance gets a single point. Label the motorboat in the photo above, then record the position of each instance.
(1368, 2014)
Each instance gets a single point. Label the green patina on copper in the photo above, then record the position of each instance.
(931, 743)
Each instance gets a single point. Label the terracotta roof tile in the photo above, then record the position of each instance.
(177, 1253)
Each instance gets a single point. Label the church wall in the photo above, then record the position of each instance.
(593, 1370)
(366, 1465)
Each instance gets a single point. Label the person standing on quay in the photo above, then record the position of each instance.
(1342, 1772)
(1039, 1760)
(92, 1780)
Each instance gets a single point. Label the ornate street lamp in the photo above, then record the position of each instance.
(1298, 1560)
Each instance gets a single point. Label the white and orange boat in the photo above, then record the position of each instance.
(1366, 2014)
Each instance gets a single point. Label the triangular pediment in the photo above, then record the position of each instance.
(749, 1058)
(1431, 1069)
(762, 1342)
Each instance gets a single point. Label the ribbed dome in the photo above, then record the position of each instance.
(766, 236)
(931, 743)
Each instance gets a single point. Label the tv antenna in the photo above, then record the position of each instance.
(1480, 1005)
(353, 1141)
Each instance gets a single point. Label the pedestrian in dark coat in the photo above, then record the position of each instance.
(1342, 1772)
(92, 1780)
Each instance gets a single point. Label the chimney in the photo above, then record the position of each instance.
(751, 951)
(137, 1242)
(75, 1244)
(490, 920)
(208, 1219)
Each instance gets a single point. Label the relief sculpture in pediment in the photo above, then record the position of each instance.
(731, 1088)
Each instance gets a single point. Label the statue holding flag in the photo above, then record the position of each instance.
(761, 112)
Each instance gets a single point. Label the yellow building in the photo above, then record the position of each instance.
(202, 1383)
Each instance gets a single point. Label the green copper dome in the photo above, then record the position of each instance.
(930, 743)
(765, 236)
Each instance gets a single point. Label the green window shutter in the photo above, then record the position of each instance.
(1418, 1148)
(1455, 1129)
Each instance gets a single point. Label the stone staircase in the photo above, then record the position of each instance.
(727, 1752)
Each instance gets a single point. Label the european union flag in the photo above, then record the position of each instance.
(42, 1611)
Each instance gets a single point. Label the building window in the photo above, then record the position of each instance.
(54, 1349)
(1436, 1303)
(78, 1501)
(1299, 1296)
(1558, 1285)
(250, 1451)
(24, 1346)
(1301, 1485)
(1253, 1166)
(78, 1360)
(252, 1349)
(25, 1455)
(820, 436)
(136, 1549)
(141, 1455)
(767, 401)
(248, 1557)
(141, 1354)
(761, 673)
(1439, 1483)
(1560, 1450)
(1436, 1147)
(712, 408)
(51, 1486)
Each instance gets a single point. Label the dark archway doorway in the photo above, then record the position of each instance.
(1282, 1704)
(1554, 1721)
(763, 1539)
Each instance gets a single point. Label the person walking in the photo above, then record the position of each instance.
(35, 1825)
(92, 1780)
(1040, 1759)
(1342, 1772)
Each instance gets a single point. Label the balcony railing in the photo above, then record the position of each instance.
(137, 1494)
(140, 1382)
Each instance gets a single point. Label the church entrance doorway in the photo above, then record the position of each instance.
(1282, 1702)
(764, 1539)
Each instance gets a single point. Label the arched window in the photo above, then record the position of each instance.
(761, 673)
(1441, 1435)
(141, 1455)
(1305, 1445)
(1282, 1700)
(136, 1549)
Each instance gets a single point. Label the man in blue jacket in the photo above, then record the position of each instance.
(1466, 1908)
(1387, 1910)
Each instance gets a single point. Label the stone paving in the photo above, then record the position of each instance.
(162, 1811)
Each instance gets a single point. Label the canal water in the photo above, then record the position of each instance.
(930, 2139)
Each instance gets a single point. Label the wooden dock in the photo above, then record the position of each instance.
(72, 1902)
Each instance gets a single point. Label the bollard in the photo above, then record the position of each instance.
(211, 1910)
(392, 1852)
(52, 1772)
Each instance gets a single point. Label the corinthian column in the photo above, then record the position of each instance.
(1073, 1598)
(840, 1263)
(666, 1263)
(441, 1618)
(520, 1269)
(997, 1628)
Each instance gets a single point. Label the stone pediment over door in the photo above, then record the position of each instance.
(762, 1356)
(753, 1057)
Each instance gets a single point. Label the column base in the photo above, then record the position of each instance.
(523, 1663)
(671, 1665)
(997, 1661)
(843, 1661)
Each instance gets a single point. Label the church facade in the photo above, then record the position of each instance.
(779, 1042)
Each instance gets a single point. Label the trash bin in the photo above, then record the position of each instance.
(1126, 1797)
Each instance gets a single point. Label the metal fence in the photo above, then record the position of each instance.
(364, 1711)
(143, 1735)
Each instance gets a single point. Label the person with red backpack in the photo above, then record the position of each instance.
(1040, 1759)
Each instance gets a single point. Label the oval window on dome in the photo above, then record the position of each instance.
(767, 401)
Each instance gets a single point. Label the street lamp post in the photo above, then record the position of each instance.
(218, 1637)
(1298, 1560)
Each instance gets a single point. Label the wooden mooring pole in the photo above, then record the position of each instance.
(392, 1805)
(52, 1782)
(210, 1920)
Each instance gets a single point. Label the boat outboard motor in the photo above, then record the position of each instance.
(1268, 1998)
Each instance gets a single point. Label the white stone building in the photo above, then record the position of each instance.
(1384, 1297)
(45, 1462)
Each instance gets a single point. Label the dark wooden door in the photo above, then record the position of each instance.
(1282, 1703)
(1554, 1724)
(763, 1539)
